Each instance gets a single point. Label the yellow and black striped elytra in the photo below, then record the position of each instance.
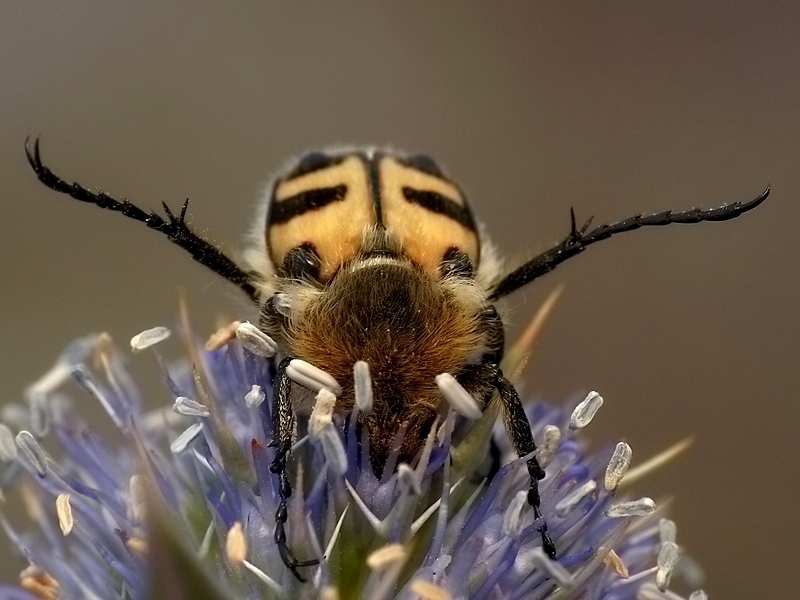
(326, 203)
(375, 256)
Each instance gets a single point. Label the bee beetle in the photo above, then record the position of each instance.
(372, 256)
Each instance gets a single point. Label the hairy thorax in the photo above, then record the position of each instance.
(406, 326)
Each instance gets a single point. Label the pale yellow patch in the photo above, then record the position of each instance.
(335, 229)
(425, 235)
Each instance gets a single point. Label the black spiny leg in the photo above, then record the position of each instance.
(282, 427)
(577, 239)
(175, 228)
(519, 430)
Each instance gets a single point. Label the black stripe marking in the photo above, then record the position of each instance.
(286, 210)
(436, 202)
(313, 161)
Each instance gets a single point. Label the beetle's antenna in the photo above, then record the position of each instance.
(175, 228)
(577, 239)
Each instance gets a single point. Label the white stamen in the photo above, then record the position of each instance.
(512, 518)
(335, 535)
(137, 505)
(190, 408)
(458, 398)
(614, 562)
(282, 304)
(64, 513)
(235, 544)
(254, 397)
(617, 466)
(186, 438)
(585, 411)
(8, 448)
(149, 337)
(32, 451)
(322, 413)
(698, 595)
(333, 449)
(363, 386)
(386, 556)
(255, 340)
(552, 436)
(312, 377)
(263, 577)
(554, 569)
(571, 500)
(429, 591)
(635, 508)
(667, 530)
(407, 478)
(667, 558)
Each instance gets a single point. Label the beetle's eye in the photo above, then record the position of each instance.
(456, 264)
(302, 262)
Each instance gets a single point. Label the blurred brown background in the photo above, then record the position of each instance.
(533, 108)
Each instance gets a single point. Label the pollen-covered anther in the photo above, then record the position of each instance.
(568, 503)
(459, 399)
(322, 413)
(549, 445)
(512, 518)
(235, 544)
(667, 530)
(634, 508)
(312, 377)
(149, 337)
(667, 557)
(386, 557)
(64, 513)
(429, 591)
(363, 386)
(614, 562)
(138, 546)
(137, 505)
(254, 397)
(39, 583)
(698, 595)
(31, 449)
(585, 411)
(255, 340)
(187, 437)
(617, 466)
(222, 336)
(190, 408)
(8, 447)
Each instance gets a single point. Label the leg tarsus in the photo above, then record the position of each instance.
(519, 430)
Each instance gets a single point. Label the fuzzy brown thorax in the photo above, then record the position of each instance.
(407, 326)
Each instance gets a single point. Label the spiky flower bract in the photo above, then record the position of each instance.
(181, 503)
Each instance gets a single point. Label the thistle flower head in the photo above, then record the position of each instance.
(181, 503)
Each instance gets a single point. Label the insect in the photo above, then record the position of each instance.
(375, 256)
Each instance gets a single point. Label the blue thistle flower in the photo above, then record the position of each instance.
(180, 504)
